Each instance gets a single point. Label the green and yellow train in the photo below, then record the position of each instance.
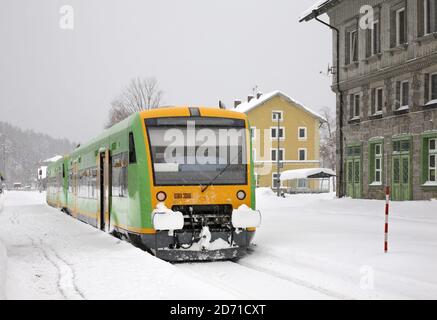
(199, 205)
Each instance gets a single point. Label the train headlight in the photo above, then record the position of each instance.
(161, 196)
(241, 195)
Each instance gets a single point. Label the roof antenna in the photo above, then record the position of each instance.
(255, 90)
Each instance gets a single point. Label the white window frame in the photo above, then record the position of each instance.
(306, 154)
(352, 46)
(276, 138)
(254, 154)
(372, 38)
(432, 153)
(302, 188)
(378, 156)
(276, 153)
(305, 137)
(354, 107)
(398, 26)
(426, 22)
(274, 114)
(379, 89)
(401, 104)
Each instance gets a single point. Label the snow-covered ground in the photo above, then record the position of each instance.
(309, 246)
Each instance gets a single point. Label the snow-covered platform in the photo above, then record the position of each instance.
(308, 247)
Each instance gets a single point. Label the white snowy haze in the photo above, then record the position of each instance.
(199, 51)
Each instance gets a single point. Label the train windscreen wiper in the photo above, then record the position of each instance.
(204, 188)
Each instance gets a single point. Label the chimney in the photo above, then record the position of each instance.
(237, 103)
(259, 95)
(249, 98)
(221, 105)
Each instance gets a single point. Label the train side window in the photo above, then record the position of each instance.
(132, 152)
(119, 175)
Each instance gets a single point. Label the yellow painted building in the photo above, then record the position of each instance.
(299, 137)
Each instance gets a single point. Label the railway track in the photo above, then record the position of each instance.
(250, 281)
(299, 282)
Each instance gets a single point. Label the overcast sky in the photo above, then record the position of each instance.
(61, 82)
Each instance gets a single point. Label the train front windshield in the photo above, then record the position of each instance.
(198, 151)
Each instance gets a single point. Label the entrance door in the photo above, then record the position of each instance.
(104, 187)
(401, 178)
(350, 178)
(357, 178)
(353, 181)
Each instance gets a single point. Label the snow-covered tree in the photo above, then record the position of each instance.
(328, 139)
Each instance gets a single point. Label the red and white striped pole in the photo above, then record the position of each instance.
(387, 205)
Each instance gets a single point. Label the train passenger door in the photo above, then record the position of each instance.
(75, 190)
(104, 176)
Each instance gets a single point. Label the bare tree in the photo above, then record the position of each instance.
(328, 139)
(140, 94)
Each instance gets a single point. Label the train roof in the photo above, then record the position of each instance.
(182, 111)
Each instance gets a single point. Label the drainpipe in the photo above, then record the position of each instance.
(340, 183)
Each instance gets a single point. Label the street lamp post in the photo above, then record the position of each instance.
(278, 173)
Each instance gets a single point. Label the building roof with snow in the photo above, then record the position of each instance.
(317, 9)
(256, 102)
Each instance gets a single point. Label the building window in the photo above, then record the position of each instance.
(274, 153)
(302, 184)
(277, 115)
(432, 155)
(273, 133)
(401, 27)
(355, 108)
(426, 16)
(353, 42)
(402, 94)
(254, 154)
(430, 88)
(375, 38)
(302, 154)
(378, 163)
(377, 100)
(302, 133)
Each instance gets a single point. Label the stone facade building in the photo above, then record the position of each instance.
(385, 78)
